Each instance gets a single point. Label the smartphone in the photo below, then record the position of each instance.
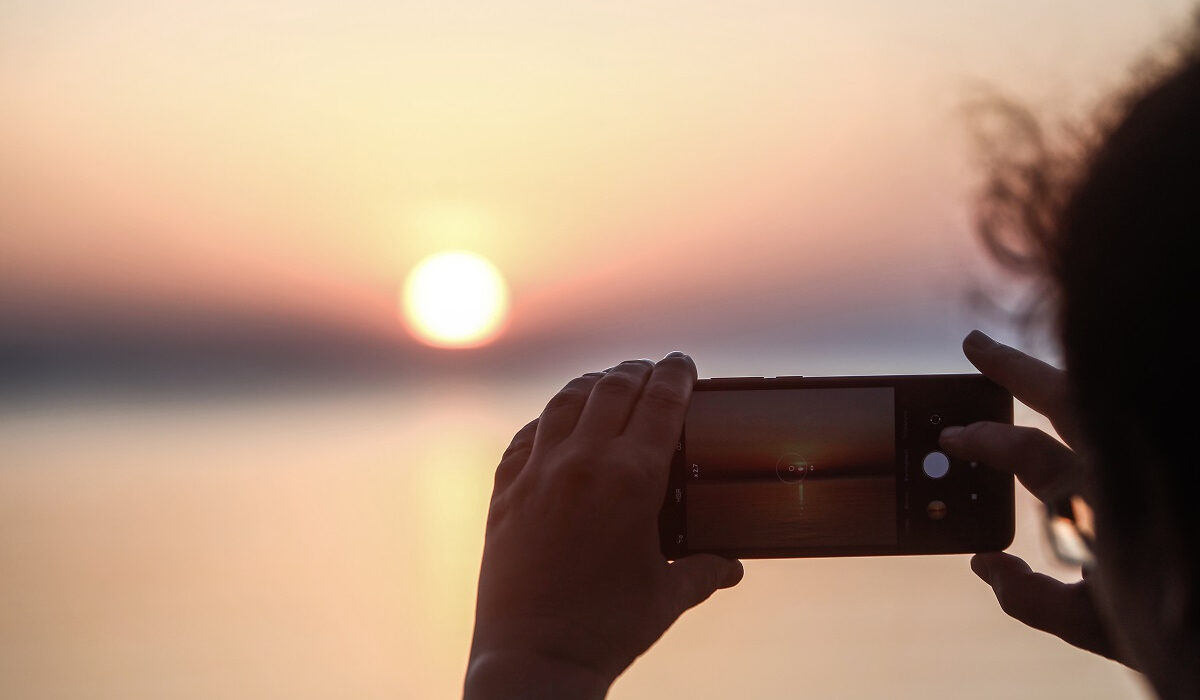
(835, 466)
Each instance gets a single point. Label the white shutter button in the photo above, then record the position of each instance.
(935, 465)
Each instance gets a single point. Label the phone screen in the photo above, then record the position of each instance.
(791, 468)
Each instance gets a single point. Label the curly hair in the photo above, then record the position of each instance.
(1104, 220)
(1032, 171)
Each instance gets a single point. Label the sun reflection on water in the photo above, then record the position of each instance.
(330, 549)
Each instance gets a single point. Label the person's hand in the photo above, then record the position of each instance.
(573, 584)
(1041, 463)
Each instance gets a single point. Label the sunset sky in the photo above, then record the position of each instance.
(659, 170)
(201, 194)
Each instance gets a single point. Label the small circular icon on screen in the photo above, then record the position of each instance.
(792, 468)
(936, 510)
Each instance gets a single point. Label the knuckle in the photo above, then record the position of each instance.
(497, 511)
(661, 395)
(1028, 441)
(1014, 606)
(1006, 603)
(572, 395)
(520, 443)
(511, 465)
(619, 382)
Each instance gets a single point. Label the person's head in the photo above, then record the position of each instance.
(1115, 236)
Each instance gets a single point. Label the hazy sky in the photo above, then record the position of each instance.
(622, 163)
(774, 186)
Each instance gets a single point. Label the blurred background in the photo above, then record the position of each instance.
(247, 437)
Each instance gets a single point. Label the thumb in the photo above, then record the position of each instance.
(697, 577)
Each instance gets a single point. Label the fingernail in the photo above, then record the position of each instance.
(951, 432)
(676, 353)
(630, 363)
(978, 340)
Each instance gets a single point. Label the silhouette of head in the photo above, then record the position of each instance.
(1114, 234)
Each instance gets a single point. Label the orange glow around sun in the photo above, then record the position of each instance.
(455, 299)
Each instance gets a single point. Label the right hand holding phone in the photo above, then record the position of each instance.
(1041, 463)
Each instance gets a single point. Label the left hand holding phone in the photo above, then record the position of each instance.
(1066, 610)
(573, 585)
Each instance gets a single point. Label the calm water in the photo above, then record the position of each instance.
(327, 546)
(835, 512)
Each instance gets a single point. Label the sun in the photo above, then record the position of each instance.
(455, 299)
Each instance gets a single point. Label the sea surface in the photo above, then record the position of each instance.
(831, 512)
(326, 544)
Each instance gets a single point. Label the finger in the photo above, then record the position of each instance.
(1038, 460)
(657, 419)
(561, 414)
(514, 457)
(1065, 610)
(1034, 383)
(612, 399)
(695, 578)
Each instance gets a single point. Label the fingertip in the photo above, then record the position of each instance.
(987, 565)
(950, 435)
(965, 441)
(978, 341)
(710, 571)
(736, 572)
(980, 349)
(678, 356)
(729, 572)
(1000, 567)
(698, 576)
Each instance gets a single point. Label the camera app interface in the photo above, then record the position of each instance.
(791, 468)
